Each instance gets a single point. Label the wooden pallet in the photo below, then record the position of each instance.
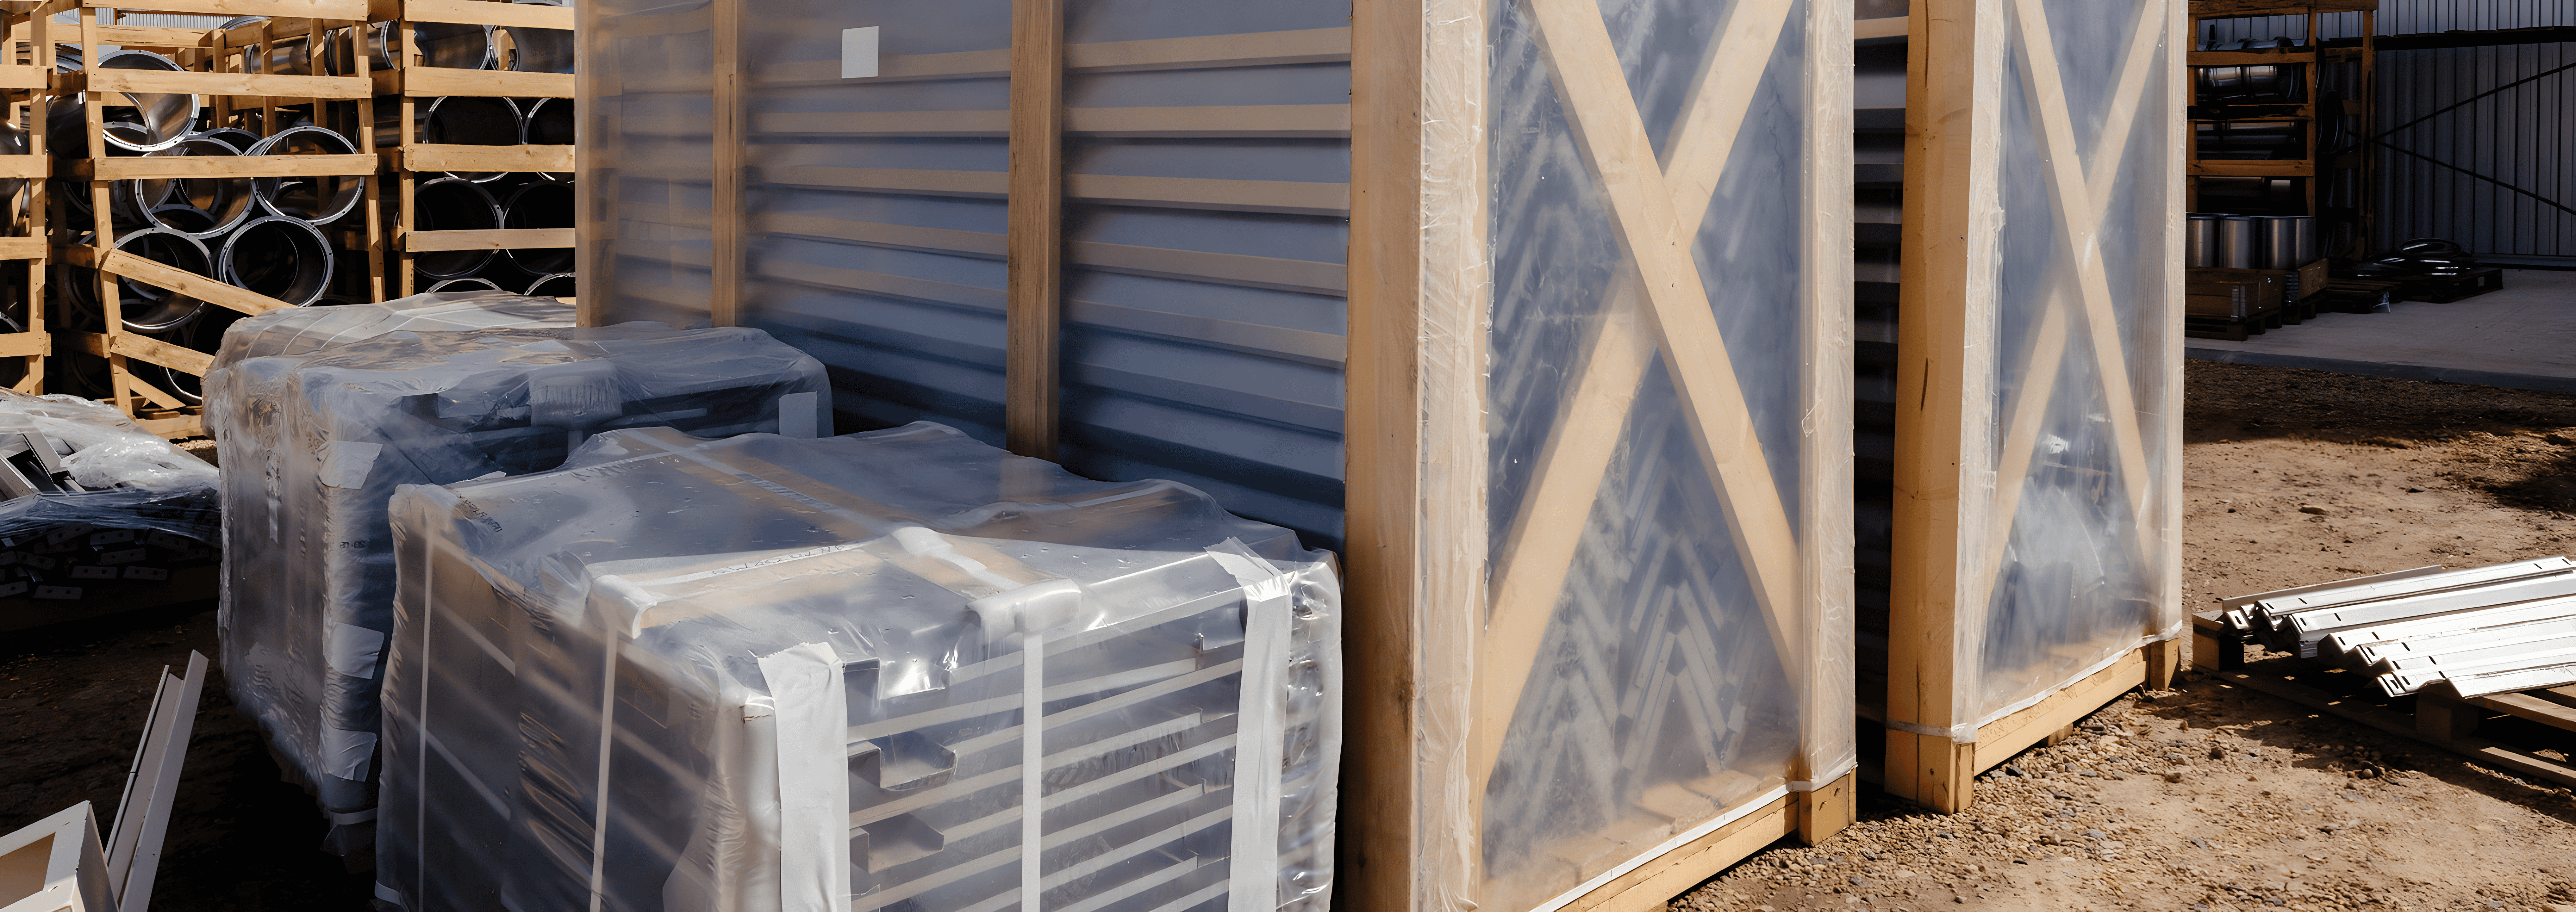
(2231, 328)
(2510, 721)
(412, 82)
(216, 70)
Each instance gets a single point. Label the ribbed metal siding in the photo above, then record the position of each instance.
(2453, 185)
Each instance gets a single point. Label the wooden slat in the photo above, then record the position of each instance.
(2258, 58)
(276, 9)
(978, 243)
(19, 345)
(153, 36)
(1248, 49)
(1886, 27)
(2222, 168)
(894, 180)
(25, 166)
(432, 82)
(725, 278)
(483, 12)
(23, 248)
(1653, 884)
(1213, 121)
(131, 345)
(501, 239)
(24, 77)
(159, 81)
(1297, 197)
(2545, 712)
(1999, 740)
(157, 275)
(448, 157)
(890, 68)
(146, 167)
(1035, 232)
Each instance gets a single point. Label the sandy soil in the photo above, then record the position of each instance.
(2210, 797)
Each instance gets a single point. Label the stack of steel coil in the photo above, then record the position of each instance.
(271, 235)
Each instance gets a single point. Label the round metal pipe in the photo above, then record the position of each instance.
(2277, 243)
(2200, 244)
(441, 44)
(559, 285)
(144, 308)
(463, 120)
(185, 219)
(145, 122)
(540, 205)
(281, 257)
(2305, 247)
(226, 201)
(547, 122)
(452, 204)
(241, 140)
(536, 50)
(320, 200)
(2237, 242)
(465, 284)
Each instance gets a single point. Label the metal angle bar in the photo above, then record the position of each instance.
(2344, 593)
(2243, 601)
(2505, 660)
(2559, 673)
(2310, 626)
(2466, 632)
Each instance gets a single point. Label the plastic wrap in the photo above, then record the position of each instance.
(297, 330)
(121, 478)
(1669, 429)
(314, 444)
(2085, 396)
(812, 692)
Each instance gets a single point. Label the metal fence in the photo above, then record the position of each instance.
(2472, 143)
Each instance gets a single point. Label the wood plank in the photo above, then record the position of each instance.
(500, 239)
(147, 167)
(1826, 395)
(347, 10)
(2524, 706)
(132, 345)
(1884, 27)
(1293, 197)
(433, 82)
(725, 279)
(157, 275)
(1953, 213)
(1325, 45)
(1999, 740)
(24, 344)
(153, 36)
(1216, 121)
(25, 77)
(449, 157)
(1035, 233)
(1230, 268)
(973, 243)
(159, 81)
(23, 248)
(890, 68)
(1653, 884)
(484, 12)
(920, 181)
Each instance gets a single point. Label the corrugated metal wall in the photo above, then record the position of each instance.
(1207, 161)
(2496, 174)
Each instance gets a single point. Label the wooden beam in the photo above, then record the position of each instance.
(165, 82)
(435, 82)
(1945, 370)
(480, 12)
(443, 157)
(1036, 227)
(352, 10)
(1650, 886)
(184, 167)
(493, 239)
(725, 281)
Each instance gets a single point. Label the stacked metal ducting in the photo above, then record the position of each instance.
(488, 200)
(272, 235)
(2462, 633)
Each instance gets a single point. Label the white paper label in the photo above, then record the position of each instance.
(859, 53)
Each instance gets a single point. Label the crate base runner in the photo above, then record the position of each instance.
(1673, 869)
(1953, 764)
(2449, 724)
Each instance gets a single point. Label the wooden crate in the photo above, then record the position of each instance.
(216, 70)
(22, 90)
(411, 82)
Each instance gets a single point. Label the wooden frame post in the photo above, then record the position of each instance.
(725, 210)
(1035, 237)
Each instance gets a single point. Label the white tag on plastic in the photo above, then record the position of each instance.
(859, 53)
(813, 778)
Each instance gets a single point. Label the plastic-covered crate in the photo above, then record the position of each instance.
(771, 673)
(299, 330)
(314, 444)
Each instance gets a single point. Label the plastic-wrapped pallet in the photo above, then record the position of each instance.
(767, 673)
(314, 445)
(93, 507)
(299, 330)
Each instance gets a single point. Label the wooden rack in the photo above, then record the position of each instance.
(21, 89)
(2313, 167)
(216, 70)
(412, 81)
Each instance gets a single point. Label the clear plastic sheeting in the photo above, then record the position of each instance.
(772, 674)
(314, 444)
(2081, 550)
(96, 468)
(297, 330)
(1669, 450)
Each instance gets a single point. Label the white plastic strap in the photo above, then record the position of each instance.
(346, 754)
(1032, 770)
(1260, 750)
(813, 719)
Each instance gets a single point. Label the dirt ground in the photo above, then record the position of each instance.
(2292, 477)
(2211, 797)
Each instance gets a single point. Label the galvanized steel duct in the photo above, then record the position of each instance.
(540, 204)
(2238, 243)
(547, 122)
(281, 257)
(319, 200)
(147, 122)
(536, 50)
(2200, 243)
(559, 285)
(224, 202)
(466, 284)
(452, 204)
(144, 308)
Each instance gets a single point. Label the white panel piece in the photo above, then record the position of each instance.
(812, 713)
(1255, 856)
(859, 53)
(63, 852)
(803, 414)
(133, 850)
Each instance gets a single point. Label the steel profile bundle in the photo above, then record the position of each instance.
(821, 694)
(317, 441)
(458, 108)
(1538, 309)
(2459, 633)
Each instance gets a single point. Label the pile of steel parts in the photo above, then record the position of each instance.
(98, 509)
(2460, 634)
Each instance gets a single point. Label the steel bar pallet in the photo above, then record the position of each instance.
(223, 64)
(413, 82)
(2450, 724)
